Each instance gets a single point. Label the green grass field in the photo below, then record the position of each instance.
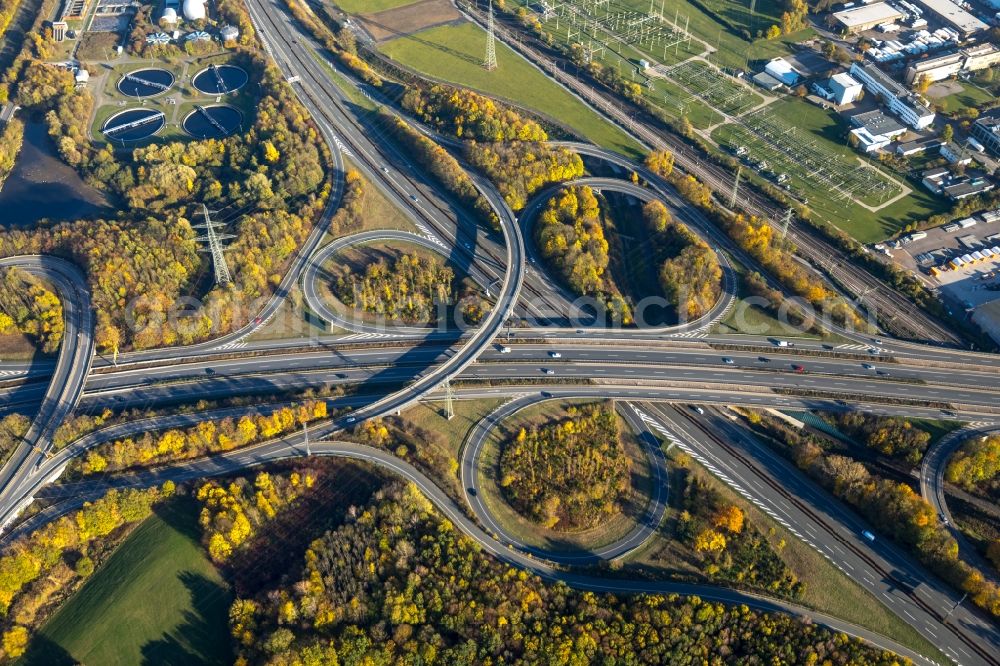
(157, 600)
(969, 97)
(454, 53)
(719, 90)
(730, 50)
(370, 6)
(737, 13)
(826, 131)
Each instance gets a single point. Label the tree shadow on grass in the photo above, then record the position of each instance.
(181, 513)
(202, 638)
(44, 652)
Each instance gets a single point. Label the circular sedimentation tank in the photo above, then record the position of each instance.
(133, 125)
(146, 82)
(220, 80)
(212, 122)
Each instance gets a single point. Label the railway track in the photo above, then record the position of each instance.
(792, 499)
(900, 315)
(333, 113)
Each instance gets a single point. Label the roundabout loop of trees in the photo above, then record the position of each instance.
(571, 473)
(579, 237)
(590, 480)
(393, 278)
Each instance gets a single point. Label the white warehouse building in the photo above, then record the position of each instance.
(845, 88)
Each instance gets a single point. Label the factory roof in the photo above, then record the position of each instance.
(880, 12)
(955, 15)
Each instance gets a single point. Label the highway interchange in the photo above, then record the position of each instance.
(650, 371)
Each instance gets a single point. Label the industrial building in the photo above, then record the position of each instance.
(875, 130)
(766, 81)
(941, 67)
(956, 154)
(844, 88)
(954, 15)
(866, 17)
(900, 101)
(981, 56)
(783, 71)
(918, 146)
(987, 132)
(964, 187)
(935, 69)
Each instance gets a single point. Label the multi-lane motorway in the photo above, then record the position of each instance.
(66, 384)
(274, 451)
(404, 365)
(890, 304)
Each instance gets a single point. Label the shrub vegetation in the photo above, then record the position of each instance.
(729, 547)
(29, 308)
(397, 584)
(206, 437)
(409, 288)
(570, 474)
(570, 236)
(689, 273)
(889, 435)
(976, 466)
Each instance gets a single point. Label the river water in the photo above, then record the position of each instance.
(41, 186)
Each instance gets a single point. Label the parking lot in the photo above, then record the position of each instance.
(932, 252)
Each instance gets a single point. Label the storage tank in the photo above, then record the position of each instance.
(194, 10)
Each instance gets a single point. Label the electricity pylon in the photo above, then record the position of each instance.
(214, 241)
(449, 401)
(788, 221)
(491, 43)
(736, 187)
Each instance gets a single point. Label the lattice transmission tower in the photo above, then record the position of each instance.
(491, 43)
(214, 241)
